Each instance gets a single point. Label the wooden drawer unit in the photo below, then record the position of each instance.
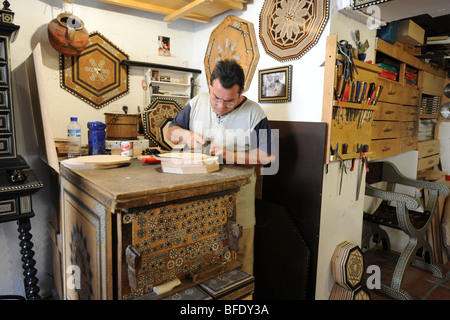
(128, 229)
(429, 154)
(386, 111)
(385, 148)
(428, 162)
(409, 129)
(408, 144)
(428, 148)
(392, 91)
(386, 129)
(411, 96)
(408, 113)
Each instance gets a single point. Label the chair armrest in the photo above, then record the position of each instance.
(443, 189)
(410, 202)
(393, 175)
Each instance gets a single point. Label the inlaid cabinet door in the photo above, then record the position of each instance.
(163, 242)
(86, 253)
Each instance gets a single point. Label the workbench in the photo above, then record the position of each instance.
(128, 229)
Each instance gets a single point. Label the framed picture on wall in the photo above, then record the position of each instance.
(357, 4)
(164, 46)
(275, 84)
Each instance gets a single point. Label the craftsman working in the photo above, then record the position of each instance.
(233, 128)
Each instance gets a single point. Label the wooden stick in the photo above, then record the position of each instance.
(166, 287)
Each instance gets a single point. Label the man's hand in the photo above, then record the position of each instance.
(192, 139)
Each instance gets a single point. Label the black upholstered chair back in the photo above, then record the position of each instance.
(375, 173)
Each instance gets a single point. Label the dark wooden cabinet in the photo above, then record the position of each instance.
(17, 181)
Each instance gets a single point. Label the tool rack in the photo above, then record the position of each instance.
(348, 109)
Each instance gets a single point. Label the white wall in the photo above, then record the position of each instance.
(307, 74)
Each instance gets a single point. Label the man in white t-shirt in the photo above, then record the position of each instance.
(238, 131)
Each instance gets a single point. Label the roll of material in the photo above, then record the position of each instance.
(166, 287)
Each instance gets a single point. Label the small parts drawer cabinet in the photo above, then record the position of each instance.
(429, 154)
(129, 229)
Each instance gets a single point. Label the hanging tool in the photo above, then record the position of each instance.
(342, 167)
(346, 50)
(362, 149)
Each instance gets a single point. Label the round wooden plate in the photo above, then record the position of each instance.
(104, 159)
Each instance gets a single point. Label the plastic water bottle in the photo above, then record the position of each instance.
(74, 138)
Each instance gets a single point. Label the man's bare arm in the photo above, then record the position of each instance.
(179, 135)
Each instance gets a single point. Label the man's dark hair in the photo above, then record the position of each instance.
(229, 73)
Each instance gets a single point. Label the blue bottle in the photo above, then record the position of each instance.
(96, 137)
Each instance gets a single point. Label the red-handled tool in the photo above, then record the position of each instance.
(361, 149)
(353, 164)
(150, 160)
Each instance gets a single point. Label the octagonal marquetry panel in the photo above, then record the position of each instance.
(156, 119)
(289, 28)
(233, 38)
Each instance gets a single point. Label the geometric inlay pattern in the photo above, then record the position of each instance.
(289, 28)
(233, 38)
(179, 239)
(95, 75)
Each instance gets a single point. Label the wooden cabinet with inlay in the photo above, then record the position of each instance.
(126, 230)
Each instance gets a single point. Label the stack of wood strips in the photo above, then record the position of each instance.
(426, 129)
(437, 234)
(347, 267)
(430, 104)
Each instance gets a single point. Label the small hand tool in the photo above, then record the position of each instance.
(206, 147)
(358, 89)
(369, 92)
(342, 167)
(353, 164)
(363, 91)
(361, 149)
(150, 160)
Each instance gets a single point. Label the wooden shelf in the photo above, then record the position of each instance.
(352, 105)
(170, 95)
(429, 116)
(171, 83)
(132, 63)
(196, 10)
(400, 55)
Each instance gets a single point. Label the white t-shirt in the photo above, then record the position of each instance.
(244, 128)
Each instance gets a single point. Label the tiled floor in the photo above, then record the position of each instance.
(420, 284)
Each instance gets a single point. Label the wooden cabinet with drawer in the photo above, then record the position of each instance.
(386, 129)
(392, 91)
(396, 119)
(411, 96)
(386, 111)
(128, 229)
(385, 148)
(429, 154)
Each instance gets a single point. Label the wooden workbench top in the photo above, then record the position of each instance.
(140, 184)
